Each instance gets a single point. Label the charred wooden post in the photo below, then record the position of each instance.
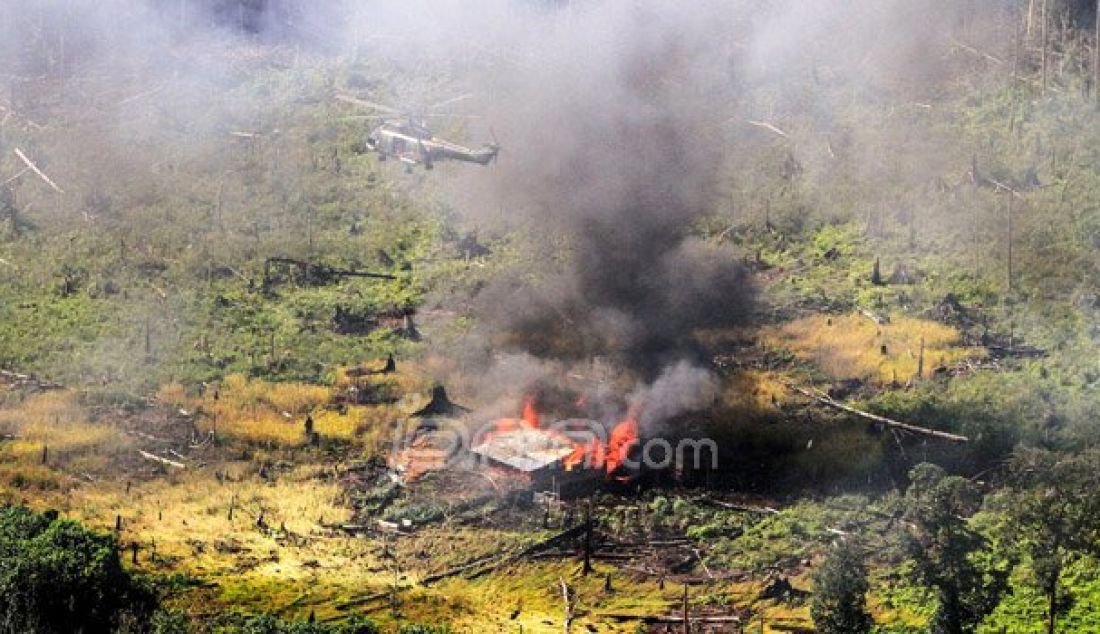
(1044, 42)
(118, 523)
(920, 360)
(1008, 273)
(1096, 56)
(45, 453)
(8, 203)
(587, 539)
(133, 553)
(148, 342)
(394, 601)
(687, 623)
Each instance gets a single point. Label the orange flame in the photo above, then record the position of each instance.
(530, 414)
(591, 454)
(623, 438)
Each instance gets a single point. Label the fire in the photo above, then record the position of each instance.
(503, 426)
(591, 454)
(530, 414)
(623, 438)
(529, 419)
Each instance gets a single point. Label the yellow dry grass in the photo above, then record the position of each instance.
(20, 476)
(257, 425)
(189, 512)
(263, 412)
(56, 427)
(184, 517)
(368, 426)
(753, 392)
(851, 346)
(182, 523)
(240, 392)
(402, 381)
(240, 410)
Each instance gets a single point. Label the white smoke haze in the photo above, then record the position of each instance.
(616, 120)
(681, 388)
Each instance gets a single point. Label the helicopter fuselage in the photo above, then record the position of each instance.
(414, 144)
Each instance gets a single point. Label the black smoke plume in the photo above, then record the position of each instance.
(615, 149)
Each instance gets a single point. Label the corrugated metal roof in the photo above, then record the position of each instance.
(525, 449)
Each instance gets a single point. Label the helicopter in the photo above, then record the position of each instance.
(408, 139)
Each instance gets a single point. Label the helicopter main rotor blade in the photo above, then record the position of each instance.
(369, 104)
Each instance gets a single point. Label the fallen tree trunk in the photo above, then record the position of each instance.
(16, 176)
(767, 126)
(351, 529)
(26, 380)
(668, 619)
(484, 564)
(480, 565)
(164, 461)
(34, 168)
(763, 510)
(358, 602)
(480, 561)
(321, 269)
(889, 422)
(656, 543)
(879, 320)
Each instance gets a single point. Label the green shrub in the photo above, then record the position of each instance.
(60, 577)
(169, 623)
(268, 624)
(840, 593)
(417, 628)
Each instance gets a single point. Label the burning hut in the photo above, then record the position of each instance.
(530, 451)
(566, 452)
(567, 455)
